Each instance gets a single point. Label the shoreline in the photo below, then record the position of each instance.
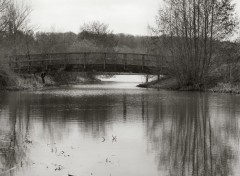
(12, 82)
(42, 87)
(171, 85)
(9, 81)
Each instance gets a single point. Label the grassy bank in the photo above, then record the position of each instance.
(12, 81)
(67, 78)
(226, 88)
(163, 83)
(212, 86)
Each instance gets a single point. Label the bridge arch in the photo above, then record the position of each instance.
(90, 62)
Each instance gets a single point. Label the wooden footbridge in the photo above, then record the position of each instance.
(90, 62)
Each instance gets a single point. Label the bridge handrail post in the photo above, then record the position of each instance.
(125, 61)
(84, 59)
(157, 62)
(29, 61)
(50, 59)
(104, 60)
(65, 60)
(143, 61)
(9, 58)
(16, 61)
(162, 61)
(47, 62)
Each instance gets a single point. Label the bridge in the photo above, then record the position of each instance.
(99, 62)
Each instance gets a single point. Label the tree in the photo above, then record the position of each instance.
(16, 19)
(192, 28)
(229, 53)
(99, 34)
(51, 42)
(83, 46)
(3, 7)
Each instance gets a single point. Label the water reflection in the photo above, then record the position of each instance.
(14, 134)
(190, 139)
(110, 131)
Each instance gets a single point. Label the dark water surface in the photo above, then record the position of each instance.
(119, 130)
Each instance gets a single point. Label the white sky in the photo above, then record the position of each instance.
(123, 16)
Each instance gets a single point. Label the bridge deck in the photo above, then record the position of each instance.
(91, 61)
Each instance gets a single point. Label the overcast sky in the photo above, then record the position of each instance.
(123, 16)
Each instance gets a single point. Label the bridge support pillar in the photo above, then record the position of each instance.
(158, 77)
(147, 77)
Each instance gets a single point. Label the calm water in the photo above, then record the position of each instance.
(115, 129)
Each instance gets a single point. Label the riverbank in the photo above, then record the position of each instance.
(163, 83)
(13, 82)
(226, 88)
(171, 84)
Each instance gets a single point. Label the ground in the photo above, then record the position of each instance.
(171, 84)
(12, 81)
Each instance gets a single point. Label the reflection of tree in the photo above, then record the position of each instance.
(189, 144)
(13, 147)
(91, 113)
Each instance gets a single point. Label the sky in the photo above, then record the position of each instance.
(122, 16)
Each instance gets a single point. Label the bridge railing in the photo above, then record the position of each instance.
(88, 58)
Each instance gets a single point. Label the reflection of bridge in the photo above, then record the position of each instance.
(89, 62)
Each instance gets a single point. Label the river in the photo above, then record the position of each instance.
(116, 129)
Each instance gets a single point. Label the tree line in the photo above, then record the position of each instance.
(86, 41)
(18, 37)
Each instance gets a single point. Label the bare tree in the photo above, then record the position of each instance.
(191, 29)
(3, 7)
(100, 34)
(17, 16)
(96, 27)
(229, 67)
(16, 19)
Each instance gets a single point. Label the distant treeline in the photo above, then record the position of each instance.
(51, 42)
(18, 36)
(94, 36)
(54, 42)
